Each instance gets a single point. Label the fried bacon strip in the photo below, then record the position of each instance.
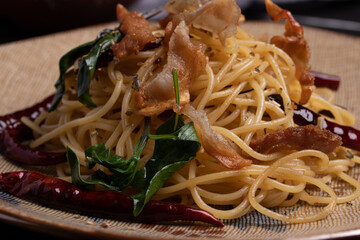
(178, 6)
(217, 16)
(294, 44)
(297, 138)
(157, 94)
(215, 144)
(137, 32)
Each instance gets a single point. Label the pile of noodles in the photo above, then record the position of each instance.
(233, 92)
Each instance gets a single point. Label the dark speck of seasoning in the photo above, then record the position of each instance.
(136, 82)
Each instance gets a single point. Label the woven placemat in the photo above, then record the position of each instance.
(29, 70)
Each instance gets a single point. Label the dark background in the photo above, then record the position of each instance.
(21, 19)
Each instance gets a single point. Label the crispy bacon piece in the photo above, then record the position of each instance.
(297, 138)
(137, 32)
(178, 6)
(217, 16)
(157, 94)
(294, 44)
(220, 17)
(215, 144)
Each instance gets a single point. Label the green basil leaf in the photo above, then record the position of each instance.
(123, 170)
(65, 63)
(83, 83)
(168, 126)
(88, 65)
(67, 60)
(74, 164)
(172, 152)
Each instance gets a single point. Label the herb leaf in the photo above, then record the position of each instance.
(98, 177)
(67, 60)
(177, 94)
(65, 63)
(123, 170)
(87, 66)
(172, 152)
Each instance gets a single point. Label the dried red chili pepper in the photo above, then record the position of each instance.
(326, 80)
(304, 116)
(55, 192)
(13, 133)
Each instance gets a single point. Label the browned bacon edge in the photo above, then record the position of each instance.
(297, 138)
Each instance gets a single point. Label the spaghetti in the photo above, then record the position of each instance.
(233, 92)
